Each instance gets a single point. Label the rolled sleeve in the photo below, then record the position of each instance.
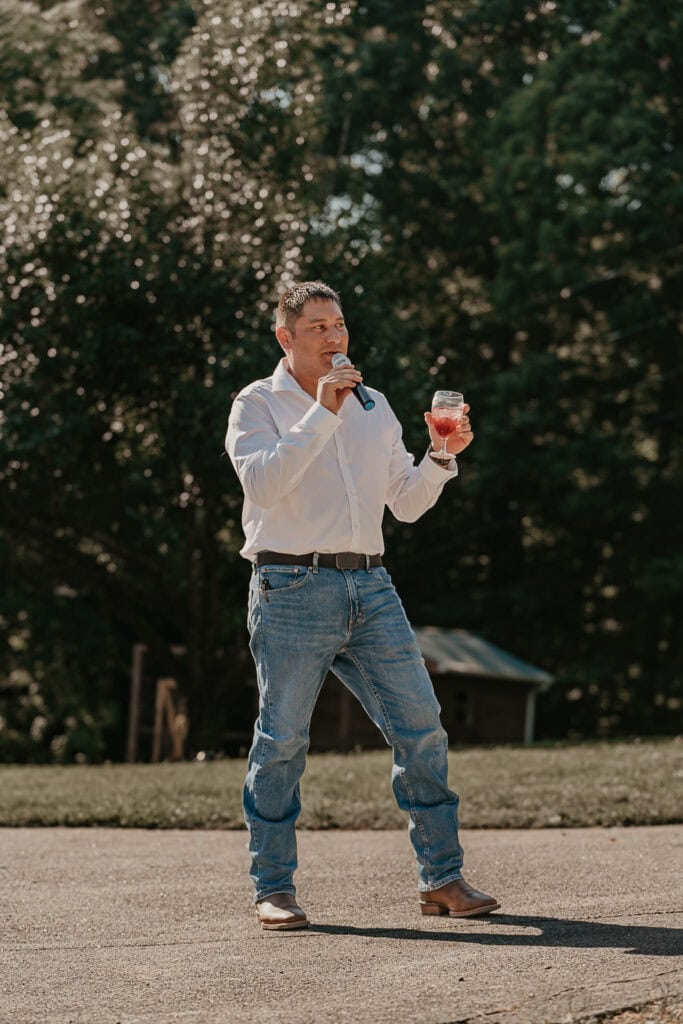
(414, 489)
(437, 474)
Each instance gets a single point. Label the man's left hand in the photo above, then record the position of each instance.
(459, 440)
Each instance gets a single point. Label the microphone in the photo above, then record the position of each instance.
(361, 393)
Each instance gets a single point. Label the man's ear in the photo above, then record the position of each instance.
(283, 336)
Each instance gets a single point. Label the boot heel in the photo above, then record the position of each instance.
(433, 908)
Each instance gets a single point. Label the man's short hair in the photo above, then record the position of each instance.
(291, 304)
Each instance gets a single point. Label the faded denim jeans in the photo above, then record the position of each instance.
(304, 623)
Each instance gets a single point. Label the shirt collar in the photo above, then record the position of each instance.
(283, 380)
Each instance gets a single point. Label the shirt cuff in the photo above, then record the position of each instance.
(320, 420)
(436, 474)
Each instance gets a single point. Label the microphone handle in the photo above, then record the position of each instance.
(361, 393)
(363, 396)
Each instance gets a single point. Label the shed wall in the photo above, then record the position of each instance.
(473, 710)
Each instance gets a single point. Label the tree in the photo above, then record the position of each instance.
(530, 171)
(494, 187)
(139, 303)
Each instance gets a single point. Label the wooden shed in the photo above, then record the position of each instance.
(487, 695)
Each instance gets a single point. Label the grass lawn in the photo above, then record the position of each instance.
(636, 783)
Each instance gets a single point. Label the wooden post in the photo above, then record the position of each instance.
(178, 727)
(164, 703)
(139, 651)
(530, 716)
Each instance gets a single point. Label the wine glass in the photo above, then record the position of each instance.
(447, 410)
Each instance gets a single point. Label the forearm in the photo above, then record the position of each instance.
(417, 488)
(269, 465)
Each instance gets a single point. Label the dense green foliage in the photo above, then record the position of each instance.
(496, 189)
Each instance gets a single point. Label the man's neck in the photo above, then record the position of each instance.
(309, 386)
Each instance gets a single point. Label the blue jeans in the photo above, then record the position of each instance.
(304, 623)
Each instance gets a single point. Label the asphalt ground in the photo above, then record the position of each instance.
(129, 926)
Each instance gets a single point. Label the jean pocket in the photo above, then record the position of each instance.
(282, 579)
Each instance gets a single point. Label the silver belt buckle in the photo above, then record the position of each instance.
(346, 560)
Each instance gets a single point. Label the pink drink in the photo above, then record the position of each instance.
(445, 421)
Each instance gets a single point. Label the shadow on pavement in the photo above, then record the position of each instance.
(551, 931)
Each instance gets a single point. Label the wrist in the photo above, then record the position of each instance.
(446, 460)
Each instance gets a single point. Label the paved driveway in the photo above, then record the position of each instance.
(101, 926)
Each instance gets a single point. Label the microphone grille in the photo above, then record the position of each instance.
(339, 359)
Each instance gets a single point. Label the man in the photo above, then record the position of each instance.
(317, 471)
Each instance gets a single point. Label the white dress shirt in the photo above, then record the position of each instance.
(316, 481)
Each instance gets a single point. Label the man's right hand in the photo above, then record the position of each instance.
(335, 387)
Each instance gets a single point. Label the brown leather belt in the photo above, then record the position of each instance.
(342, 560)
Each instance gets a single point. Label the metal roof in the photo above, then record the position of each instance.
(457, 650)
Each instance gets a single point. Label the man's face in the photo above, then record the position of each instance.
(318, 333)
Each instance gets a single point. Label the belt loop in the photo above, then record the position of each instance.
(315, 561)
(367, 563)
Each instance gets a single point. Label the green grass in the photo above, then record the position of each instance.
(638, 783)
